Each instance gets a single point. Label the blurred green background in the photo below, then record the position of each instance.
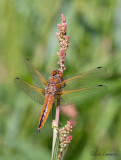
(27, 29)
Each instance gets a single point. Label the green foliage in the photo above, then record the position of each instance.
(27, 29)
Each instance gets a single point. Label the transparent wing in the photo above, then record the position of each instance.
(84, 79)
(35, 93)
(36, 75)
(77, 95)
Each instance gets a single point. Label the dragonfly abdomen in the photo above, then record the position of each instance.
(45, 111)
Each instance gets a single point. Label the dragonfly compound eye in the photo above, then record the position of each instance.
(54, 73)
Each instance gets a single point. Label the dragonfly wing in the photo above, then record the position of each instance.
(36, 75)
(77, 95)
(45, 111)
(35, 93)
(85, 79)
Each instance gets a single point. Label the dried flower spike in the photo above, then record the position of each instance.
(63, 39)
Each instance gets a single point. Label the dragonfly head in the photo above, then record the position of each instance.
(57, 72)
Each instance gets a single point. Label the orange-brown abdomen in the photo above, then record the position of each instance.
(45, 111)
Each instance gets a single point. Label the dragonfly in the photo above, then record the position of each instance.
(55, 88)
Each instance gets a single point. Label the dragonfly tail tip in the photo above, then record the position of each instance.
(38, 130)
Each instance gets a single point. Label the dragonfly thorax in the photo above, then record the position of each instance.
(53, 83)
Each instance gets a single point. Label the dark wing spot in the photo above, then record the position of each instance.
(27, 59)
(99, 67)
(17, 78)
(100, 85)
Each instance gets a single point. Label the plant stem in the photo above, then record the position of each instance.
(56, 122)
(57, 111)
